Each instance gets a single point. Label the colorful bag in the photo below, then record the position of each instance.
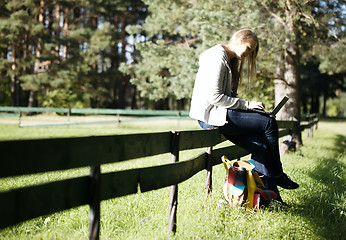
(244, 186)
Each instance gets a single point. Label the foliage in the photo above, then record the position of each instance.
(322, 63)
(48, 47)
(337, 106)
(178, 31)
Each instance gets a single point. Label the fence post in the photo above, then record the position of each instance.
(308, 130)
(20, 119)
(316, 121)
(68, 114)
(179, 115)
(297, 128)
(173, 194)
(209, 173)
(311, 123)
(118, 119)
(94, 196)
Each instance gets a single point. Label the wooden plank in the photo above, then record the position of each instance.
(35, 156)
(199, 139)
(165, 175)
(117, 184)
(284, 132)
(26, 203)
(232, 152)
(285, 124)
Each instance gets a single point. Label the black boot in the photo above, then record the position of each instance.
(285, 182)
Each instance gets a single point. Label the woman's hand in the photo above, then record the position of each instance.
(256, 105)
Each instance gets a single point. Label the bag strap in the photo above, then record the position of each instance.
(226, 161)
(248, 165)
(258, 179)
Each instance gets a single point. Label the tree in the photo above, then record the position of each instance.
(66, 53)
(300, 28)
(17, 31)
(176, 33)
(323, 68)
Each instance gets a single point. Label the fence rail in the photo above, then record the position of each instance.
(43, 155)
(142, 115)
(101, 111)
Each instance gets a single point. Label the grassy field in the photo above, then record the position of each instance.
(317, 209)
(9, 126)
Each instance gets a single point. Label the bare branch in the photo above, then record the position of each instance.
(274, 15)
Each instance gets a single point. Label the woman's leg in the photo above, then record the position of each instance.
(262, 156)
(256, 133)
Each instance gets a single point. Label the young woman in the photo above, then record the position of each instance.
(215, 105)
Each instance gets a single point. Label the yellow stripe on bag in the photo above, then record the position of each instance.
(226, 161)
(251, 188)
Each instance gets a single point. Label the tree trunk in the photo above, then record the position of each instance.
(291, 73)
(3, 74)
(280, 92)
(305, 99)
(124, 81)
(317, 103)
(15, 83)
(94, 79)
(64, 31)
(32, 99)
(57, 26)
(280, 85)
(38, 50)
(324, 111)
(134, 98)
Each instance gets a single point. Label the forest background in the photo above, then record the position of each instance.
(144, 54)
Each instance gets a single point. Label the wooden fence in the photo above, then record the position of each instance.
(140, 115)
(21, 157)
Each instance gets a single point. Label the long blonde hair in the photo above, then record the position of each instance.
(240, 37)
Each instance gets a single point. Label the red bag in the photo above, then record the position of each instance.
(244, 186)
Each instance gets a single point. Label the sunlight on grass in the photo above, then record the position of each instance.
(9, 127)
(317, 209)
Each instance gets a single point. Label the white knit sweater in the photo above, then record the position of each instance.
(212, 92)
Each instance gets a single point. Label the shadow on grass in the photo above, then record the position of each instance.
(324, 202)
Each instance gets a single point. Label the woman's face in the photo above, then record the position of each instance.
(243, 49)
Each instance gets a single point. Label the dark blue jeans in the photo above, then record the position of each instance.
(258, 134)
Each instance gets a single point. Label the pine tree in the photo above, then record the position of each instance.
(65, 53)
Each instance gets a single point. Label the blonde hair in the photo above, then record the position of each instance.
(240, 37)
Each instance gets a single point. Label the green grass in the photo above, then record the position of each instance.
(317, 209)
(9, 127)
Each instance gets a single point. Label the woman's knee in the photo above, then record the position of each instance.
(272, 125)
